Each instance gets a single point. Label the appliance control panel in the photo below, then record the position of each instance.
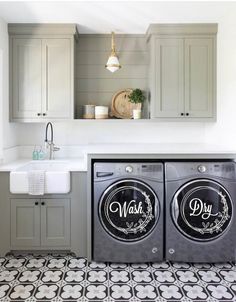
(176, 170)
(128, 169)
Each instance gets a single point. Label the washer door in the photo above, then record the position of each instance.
(129, 210)
(202, 209)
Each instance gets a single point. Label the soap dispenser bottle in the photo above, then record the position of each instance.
(35, 154)
(41, 154)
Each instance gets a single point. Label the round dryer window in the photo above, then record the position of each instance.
(129, 210)
(202, 209)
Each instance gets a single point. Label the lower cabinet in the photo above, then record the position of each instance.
(40, 223)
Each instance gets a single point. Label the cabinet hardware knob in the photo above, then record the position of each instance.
(38, 114)
(36, 203)
(182, 113)
(187, 114)
(43, 203)
(44, 114)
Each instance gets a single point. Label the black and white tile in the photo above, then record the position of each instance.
(57, 278)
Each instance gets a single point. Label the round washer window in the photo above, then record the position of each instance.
(202, 209)
(129, 210)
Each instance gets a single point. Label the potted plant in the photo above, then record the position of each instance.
(137, 97)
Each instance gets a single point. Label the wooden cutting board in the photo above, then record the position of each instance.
(121, 107)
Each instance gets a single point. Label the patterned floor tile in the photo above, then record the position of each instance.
(8, 275)
(119, 276)
(97, 276)
(77, 263)
(52, 276)
(35, 263)
(164, 276)
(4, 290)
(62, 277)
(209, 276)
(71, 292)
(29, 276)
(56, 263)
(195, 292)
(170, 292)
(121, 292)
(74, 276)
(21, 291)
(141, 276)
(96, 292)
(46, 292)
(186, 276)
(145, 292)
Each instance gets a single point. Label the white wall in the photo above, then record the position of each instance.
(8, 133)
(1, 101)
(223, 132)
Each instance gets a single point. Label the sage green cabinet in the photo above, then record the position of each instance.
(57, 78)
(58, 224)
(199, 86)
(26, 78)
(169, 86)
(182, 78)
(40, 223)
(25, 222)
(41, 73)
(55, 222)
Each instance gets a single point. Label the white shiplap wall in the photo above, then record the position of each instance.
(94, 83)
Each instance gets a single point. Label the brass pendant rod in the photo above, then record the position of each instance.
(113, 50)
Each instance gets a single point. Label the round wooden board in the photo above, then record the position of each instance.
(121, 107)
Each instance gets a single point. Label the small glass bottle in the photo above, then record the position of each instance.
(35, 154)
(41, 154)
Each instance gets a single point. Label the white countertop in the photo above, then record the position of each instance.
(74, 164)
(180, 148)
(181, 151)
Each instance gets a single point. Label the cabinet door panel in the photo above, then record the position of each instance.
(169, 78)
(199, 77)
(25, 223)
(58, 80)
(55, 222)
(26, 77)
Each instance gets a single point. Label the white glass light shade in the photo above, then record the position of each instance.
(113, 63)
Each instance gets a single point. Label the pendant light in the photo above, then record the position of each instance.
(113, 62)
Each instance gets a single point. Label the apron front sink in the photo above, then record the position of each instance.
(57, 177)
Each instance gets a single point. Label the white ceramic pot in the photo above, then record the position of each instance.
(101, 112)
(137, 114)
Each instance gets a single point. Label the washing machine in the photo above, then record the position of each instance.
(200, 211)
(127, 212)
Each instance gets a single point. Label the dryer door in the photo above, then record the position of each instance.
(129, 210)
(202, 209)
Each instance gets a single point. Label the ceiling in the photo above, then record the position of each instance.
(119, 16)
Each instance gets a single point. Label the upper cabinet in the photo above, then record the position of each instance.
(182, 71)
(41, 72)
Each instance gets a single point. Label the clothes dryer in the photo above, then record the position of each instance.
(200, 211)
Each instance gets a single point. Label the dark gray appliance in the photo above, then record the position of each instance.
(127, 220)
(200, 203)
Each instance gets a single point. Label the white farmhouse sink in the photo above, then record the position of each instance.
(57, 177)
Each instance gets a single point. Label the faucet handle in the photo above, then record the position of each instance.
(56, 148)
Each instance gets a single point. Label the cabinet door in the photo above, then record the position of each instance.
(25, 223)
(26, 78)
(55, 222)
(169, 78)
(199, 77)
(58, 82)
